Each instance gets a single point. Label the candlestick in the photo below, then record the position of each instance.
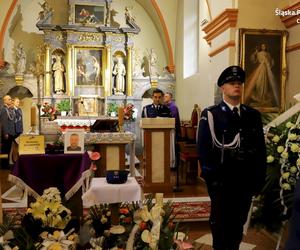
(33, 116)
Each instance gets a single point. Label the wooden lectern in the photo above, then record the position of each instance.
(157, 153)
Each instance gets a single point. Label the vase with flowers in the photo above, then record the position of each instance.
(48, 111)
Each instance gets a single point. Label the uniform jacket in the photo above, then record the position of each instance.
(7, 119)
(245, 165)
(19, 121)
(150, 111)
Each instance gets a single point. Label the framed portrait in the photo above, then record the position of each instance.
(88, 105)
(89, 13)
(262, 56)
(89, 66)
(74, 141)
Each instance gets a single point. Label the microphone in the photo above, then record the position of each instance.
(87, 113)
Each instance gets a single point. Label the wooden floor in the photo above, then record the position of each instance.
(262, 240)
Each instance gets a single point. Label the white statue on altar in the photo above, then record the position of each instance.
(58, 74)
(152, 58)
(119, 71)
(138, 70)
(21, 59)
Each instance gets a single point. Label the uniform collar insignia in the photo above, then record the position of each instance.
(223, 108)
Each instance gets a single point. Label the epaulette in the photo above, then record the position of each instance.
(212, 107)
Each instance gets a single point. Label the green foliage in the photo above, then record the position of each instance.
(24, 241)
(112, 107)
(64, 105)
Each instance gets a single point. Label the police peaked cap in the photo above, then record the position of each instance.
(231, 74)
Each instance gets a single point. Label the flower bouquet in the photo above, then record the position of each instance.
(273, 206)
(48, 111)
(149, 226)
(46, 225)
(46, 214)
(129, 112)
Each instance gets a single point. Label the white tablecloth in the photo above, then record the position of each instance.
(102, 192)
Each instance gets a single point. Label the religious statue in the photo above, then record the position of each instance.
(152, 58)
(137, 64)
(128, 16)
(58, 75)
(46, 9)
(21, 60)
(119, 72)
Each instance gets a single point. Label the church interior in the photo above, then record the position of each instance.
(81, 72)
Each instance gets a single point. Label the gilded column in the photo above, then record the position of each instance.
(70, 78)
(108, 73)
(47, 86)
(129, 72)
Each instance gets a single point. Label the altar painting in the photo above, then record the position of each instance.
(88, 66)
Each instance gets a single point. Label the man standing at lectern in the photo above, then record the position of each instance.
(156, 109)
(233, 159)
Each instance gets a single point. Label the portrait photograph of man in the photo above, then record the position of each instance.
(74, 142)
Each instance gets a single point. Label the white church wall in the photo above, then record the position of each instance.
(190, 38)
(168, 9)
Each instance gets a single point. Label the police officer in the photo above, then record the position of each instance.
(232, 154)
(8, 132)
(156, 109)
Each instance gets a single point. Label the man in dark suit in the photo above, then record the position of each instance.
(156, 109)
(8, 131)
(233, 159)
(74, 143)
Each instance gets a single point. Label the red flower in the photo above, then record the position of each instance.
(124, 210)
(95, 156)
(143, 225)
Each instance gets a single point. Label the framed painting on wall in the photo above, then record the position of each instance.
(89, 14)
(88, 105)
(89, 66)
(262, 56)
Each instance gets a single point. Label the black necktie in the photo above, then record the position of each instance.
(236, 116)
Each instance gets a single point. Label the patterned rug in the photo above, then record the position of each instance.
(191, 208)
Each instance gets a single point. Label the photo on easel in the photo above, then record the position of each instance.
(74, 141)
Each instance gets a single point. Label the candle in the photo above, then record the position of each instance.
(33, 116)
(121, 116)
(159, 197)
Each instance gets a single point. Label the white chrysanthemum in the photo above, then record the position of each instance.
(286, 186)
(293, 169)
(298, 162)
(270, 159)
(289, 124)
(292, 137)
(285, 175)
(103, 219)
(280, 149)
(294, 148)
(284, 155)
(276, 138)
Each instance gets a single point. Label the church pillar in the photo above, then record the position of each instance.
(129, 72)
(108, 78)
(70, 80)
(47, 86)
